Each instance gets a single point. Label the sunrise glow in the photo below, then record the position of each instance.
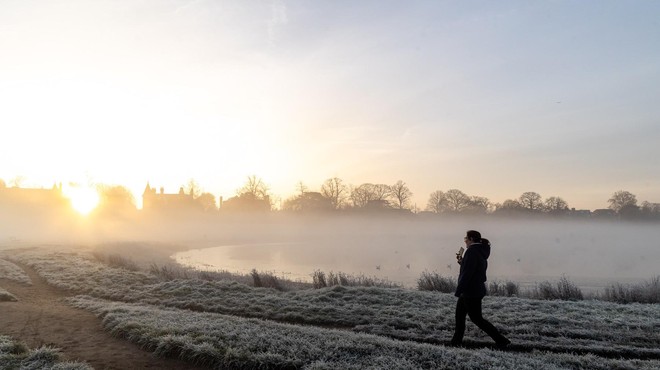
(83, 199)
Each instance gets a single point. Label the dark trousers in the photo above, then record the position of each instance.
(472, 307)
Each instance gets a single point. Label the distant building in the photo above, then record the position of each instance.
(34, 198)
(580, 213)
(604, 213)
(161, 201)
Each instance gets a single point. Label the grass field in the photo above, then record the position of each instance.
(15, 355)
(231, 324)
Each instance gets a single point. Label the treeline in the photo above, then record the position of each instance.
(334, 195)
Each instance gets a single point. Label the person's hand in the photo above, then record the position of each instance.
(459, 259)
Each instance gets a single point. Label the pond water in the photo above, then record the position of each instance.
(593, 255)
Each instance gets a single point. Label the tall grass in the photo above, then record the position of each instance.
(266, 280)
(320, 280)
(563, 289)
(645, 292)
(10, 271)
(503, 289)
(16, 355)
(117, 261)
(5, 296)
(436, 282)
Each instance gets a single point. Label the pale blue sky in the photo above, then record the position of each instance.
(493, 98)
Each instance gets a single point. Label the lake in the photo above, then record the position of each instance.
(592, 254)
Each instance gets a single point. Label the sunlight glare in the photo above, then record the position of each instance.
(83, 199)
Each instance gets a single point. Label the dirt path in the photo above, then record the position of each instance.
(41, 318)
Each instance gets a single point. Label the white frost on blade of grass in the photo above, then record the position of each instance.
(233, 342)
(15, 355)
(10, 271)
(603, 328)
(5, 296)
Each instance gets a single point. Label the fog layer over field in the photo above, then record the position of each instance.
(524, 250)
(398, 248)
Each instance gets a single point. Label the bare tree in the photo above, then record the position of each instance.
(335, 190)
(302, 188)
(361, 195)
(254, 187)
(193, 188)
(457, 201)
(114, 199)
(17, 181)
(555, 205)
(401, 194)
(622, 199)
(437, 202)
(207, 202)
(479, 204)
(370, 193)
(531, 201)
(509, 206)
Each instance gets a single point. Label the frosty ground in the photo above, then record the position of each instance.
(227, 324)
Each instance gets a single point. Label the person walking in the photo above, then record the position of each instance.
(471, 289)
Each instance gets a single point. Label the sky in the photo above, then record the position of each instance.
(492, 98)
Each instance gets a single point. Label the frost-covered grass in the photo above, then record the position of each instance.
(5, 296)
(591, 327)
(82, 273)
(646, 292)
(321, 280)
(10, 271)
(15, 355)
(234, 342)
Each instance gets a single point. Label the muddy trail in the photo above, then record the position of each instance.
(41, 318)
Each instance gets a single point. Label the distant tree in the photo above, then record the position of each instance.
(361, 195)
(367, 193)
(2, 184)
(509, 206)
(457, 201)
(302, 189)
(401, 195)
(621, 199)
(17, 181)
(253, 196)
(555, 205)
(310, 201)
(193, 188)
(207, 202)
(437, 202)
(650, 210)
(335, 190)
(255, 187)
(479, 204)
(531, 201)
(114, 200)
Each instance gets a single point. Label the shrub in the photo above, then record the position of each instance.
(266, 280)
(506, 289)
(115, 260)
(344, 279)
(646, 292)
(564, 289)
(5, 296)
(318, 279)
(436, 282)
(169, 272)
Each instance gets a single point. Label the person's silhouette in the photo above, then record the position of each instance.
(471, 289)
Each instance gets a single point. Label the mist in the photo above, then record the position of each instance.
(591, 252)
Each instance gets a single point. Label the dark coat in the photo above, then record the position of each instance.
(472, 278)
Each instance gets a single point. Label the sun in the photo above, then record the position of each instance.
(83, 199)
